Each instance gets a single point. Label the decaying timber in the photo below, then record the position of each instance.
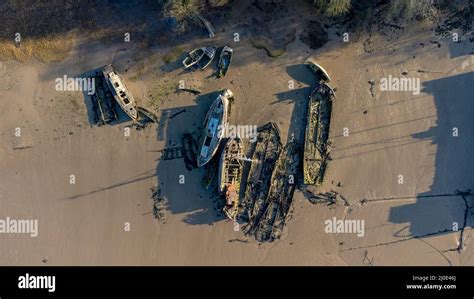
(316, 149)
(147, 113)
(210, 169)
(268, 225)
(265, 152)
(189, 151)
(103, 103)
(230, 175)
(225, 59)
(210, 29)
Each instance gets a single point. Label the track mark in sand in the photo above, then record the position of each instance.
(399, 241)
(466, 214)
(409, 197)
(239, 240)
(439, 251)
(367, 259)
(462, 194)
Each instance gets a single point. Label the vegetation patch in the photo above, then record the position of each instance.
(160, 92)
(173, 54)
(264, 44)
(314, 35)
(44, 49)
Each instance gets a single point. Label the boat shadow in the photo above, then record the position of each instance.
(446, 207)
(180, 187)
(121, 116)
(298, 95)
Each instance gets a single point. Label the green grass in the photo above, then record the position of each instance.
(173, 54)
(262, 43)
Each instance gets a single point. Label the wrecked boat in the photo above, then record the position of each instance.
(318, 70)
(210, 170)
(216, 119)
(210, 29)
(264, 152)
(316, 149)
(103, 103)
(224, 61)
(200, 57)
(148, 114)
(120, 92)
(189, 151)
(272, 218)
(230, 175)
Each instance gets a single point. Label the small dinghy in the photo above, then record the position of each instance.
(224, 61)
(200, 57)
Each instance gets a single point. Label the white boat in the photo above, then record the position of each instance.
(216, 119)
(120, 92)
(201, 57)
(318, 70)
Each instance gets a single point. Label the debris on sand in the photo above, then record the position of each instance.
(372, 86)
(190, 90)
(21, 147)
(171, 153)
(177, 113)
(314, 35)
(159, 203)
(145, 113)
(207, 25)
(211, 169)
(328, 197)
(189, 151)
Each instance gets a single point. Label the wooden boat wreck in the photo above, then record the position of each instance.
(225, 60)
(210, 170)
(200, 57)
(216, 119)
(268, 225)
(316, 149)
(103, 102)
(147, 113)
(230, 175)
(189, 151)
(120, 92)
(264, 152)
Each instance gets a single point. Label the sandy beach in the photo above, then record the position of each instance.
(105, 217)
